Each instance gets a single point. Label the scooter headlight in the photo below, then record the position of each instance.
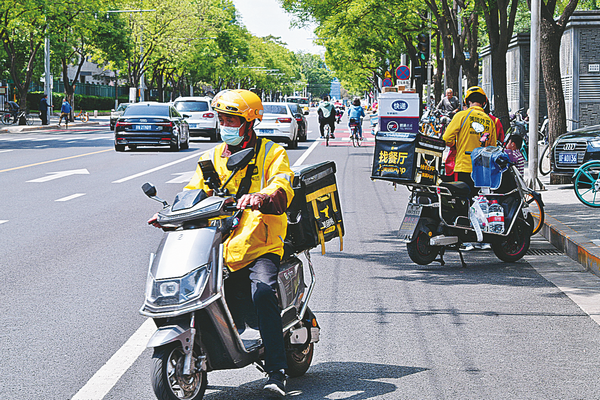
(180, 290)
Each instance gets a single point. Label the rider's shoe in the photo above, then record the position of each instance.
(276, 384)
(331, 136)
(467, 247)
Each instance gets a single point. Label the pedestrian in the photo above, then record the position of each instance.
(449, 104)
(65, 112)
(44, 109)
(513, 149)
(251, 255)
(326, 113)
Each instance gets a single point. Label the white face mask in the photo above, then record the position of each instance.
(231, 135)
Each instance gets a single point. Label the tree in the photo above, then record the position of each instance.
(500, 19)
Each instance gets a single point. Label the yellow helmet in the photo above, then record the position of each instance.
(239, 102)
(476, 94)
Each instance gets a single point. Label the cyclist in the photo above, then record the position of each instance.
(326, 113)
(355, 115)
(254, 249)
(65, 112)
(449, 104)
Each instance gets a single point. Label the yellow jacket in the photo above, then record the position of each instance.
(461, 133)
(257, 233)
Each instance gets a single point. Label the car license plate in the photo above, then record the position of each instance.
(143, 127)
(267, 131)
(409, 223)
(567, 158)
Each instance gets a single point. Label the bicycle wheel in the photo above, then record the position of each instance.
(29, 119)
(85, 117)
(536, 209)
(587, 185)
(545, 160)
(354, 137)
(6, 117)
(327, 133)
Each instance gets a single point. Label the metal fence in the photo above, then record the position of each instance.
(89, 89)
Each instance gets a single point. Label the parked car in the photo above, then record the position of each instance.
(115, 114)
(152, 124)
(575, 148)
(279, 124)
(301, 120)
(203, 120)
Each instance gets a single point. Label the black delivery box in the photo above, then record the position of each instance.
(407, 157)
(315, 214)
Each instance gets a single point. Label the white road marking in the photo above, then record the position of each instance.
(41, 146)
(110, 373)
(3, 221)
(71, 197)
(196, 154)
(184, 177)
(305, 154)
(61, 174)
(343, 395)
(99, 138)
(4, 151)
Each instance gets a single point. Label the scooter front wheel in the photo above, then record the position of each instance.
(298, 360)
(515, 245)
(168, 380)
(420, 251)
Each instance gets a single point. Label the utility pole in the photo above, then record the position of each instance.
(47, 76)
(534, 95)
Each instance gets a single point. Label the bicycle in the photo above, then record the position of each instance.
(354, 132)
(83, 116)
(544, 161)
(7, 116)
(586, 183)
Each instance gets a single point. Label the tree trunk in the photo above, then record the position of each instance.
(499, 81)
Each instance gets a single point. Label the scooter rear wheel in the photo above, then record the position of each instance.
(420, 251)
(168, 380)
(516, 244)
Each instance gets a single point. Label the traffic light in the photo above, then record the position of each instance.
(423, 48)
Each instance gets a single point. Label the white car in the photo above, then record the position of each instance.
(203, 121)
(278, 124)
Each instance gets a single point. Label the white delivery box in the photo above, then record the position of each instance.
(399, 112)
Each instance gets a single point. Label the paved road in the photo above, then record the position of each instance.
(75, 249)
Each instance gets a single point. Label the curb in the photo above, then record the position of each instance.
(29, 128)
(572, 243)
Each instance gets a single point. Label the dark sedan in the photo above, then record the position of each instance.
(152, 124)
(575, 148)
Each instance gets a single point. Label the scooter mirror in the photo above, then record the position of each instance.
(149, 189)
(240, 159)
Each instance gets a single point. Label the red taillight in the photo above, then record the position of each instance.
(208, 115)
(284, 120)
(123, 124)
(298, 119)
(169, 124)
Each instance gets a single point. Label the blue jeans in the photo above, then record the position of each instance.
(261, 278)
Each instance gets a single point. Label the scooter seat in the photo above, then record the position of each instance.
(457, 188)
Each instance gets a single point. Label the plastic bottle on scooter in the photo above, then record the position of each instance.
(495, 218)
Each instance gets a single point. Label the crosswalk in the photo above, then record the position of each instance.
(5, 139)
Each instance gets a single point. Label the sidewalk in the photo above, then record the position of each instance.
(53, 124)
(571, 226)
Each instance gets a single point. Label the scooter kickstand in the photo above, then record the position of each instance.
(441, 259)
(462, 260)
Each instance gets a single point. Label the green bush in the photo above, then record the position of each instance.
(82, 102)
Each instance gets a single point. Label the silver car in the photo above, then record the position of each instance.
(115, 114)
(203, 120)
(279, 124)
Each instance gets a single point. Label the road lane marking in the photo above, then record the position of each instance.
(55, 175)
(196, 154)
(4, 151)
(305, 154)
(182, 177)
(71, 197)
(110, 373)
(58, 159)
(3, 221)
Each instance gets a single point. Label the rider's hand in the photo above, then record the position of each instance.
(253, 201)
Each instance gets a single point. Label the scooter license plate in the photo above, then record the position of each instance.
(410, 221)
